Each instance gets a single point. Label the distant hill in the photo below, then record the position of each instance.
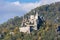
(51, 14)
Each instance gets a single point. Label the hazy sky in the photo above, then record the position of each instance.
(11, 8)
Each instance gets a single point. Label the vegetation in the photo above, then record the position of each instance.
(47, 31)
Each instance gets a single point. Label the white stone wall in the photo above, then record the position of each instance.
(32, 17)
(25, 29)
(32, 20)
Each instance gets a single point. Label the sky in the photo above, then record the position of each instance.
(12, 8)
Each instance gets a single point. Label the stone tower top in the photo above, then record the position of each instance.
(36, 16)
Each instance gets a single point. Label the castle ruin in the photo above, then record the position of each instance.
(31, 23)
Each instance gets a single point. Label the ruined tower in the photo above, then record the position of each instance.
(35, 21)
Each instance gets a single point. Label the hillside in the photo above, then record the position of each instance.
(51, 14)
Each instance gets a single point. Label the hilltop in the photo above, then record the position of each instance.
(51, 14)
